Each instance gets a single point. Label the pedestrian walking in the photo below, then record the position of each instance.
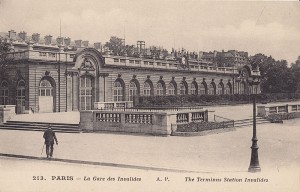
(49, 136)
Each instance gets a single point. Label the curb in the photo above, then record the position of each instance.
(100, 163)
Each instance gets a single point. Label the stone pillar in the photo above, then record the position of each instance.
(6, 113)
(30, 46)
(102, 87)
(75, 91)
(100, 91)
(69, 91)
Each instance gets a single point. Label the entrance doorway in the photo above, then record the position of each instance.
(46, 102)
(86, 93)
(20, 97)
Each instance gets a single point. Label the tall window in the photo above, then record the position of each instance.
(118, 91)
(86, 93)
(227, 90)
(182, 88)
(193, 89)
(220, 89)
(21, 94)
(171, 89)
(242, 88)
(4, 93)
(202, 89)
(132, 90)
(211, 89)
(159, 89)
(147, 89)
(45, 88)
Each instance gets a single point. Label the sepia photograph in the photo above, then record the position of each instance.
(144, 96)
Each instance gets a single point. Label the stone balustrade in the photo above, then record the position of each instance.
(145, 122)
(266, 110)
(111, 60)
(42, 55)
(165, 64)
(113, 105)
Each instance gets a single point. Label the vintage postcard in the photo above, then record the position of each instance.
(169, 95)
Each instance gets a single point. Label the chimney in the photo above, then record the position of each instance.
(12, 34)
(215, 53)
(97, 45)
(67, 41)
(85, 43)
(22, 35)
(35, 37)
(78, 43)
(48, 39)
(200, 54)
(59, 40)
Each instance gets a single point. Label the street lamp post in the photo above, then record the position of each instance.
(254, 163)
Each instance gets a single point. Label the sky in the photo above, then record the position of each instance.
(272, 28)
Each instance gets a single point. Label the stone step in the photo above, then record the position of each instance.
(42, 123)
(26, 129)
(249, 122)
(40, 126)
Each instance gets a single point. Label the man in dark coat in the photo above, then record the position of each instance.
(49, 136)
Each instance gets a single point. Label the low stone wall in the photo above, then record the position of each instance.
(6, 112)
(283, 116)
(155, 123)
(139, 121)
(203, 133)
(204, 126)
(277, 108)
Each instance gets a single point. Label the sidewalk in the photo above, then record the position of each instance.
(237, 112)
(62, 117)
(279, 147)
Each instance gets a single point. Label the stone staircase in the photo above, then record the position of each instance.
(40, 126)
(249, 122)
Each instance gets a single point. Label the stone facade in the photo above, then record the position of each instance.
(54, 78)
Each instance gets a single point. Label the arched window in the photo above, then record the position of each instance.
(211, 89)
(220, 89)
(227, 90)
(171, 89)
(193, 88)
(45, 88)
(118, 91)
(182, 88)
(86, 93)
(4, 93)
(202, 89)
(46, 95)
(147, 89)
(159, 89)
(132, 90)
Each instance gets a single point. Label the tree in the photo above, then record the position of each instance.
(158, 52)
(276, 77)
(5, 49)
(117, 46)
(295, 71)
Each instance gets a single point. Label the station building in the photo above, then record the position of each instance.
(43, 75)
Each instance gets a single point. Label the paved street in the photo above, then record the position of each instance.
(225, 154)
(279, 146)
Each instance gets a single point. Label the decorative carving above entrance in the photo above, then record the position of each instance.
(87, 65)
(47, 73)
